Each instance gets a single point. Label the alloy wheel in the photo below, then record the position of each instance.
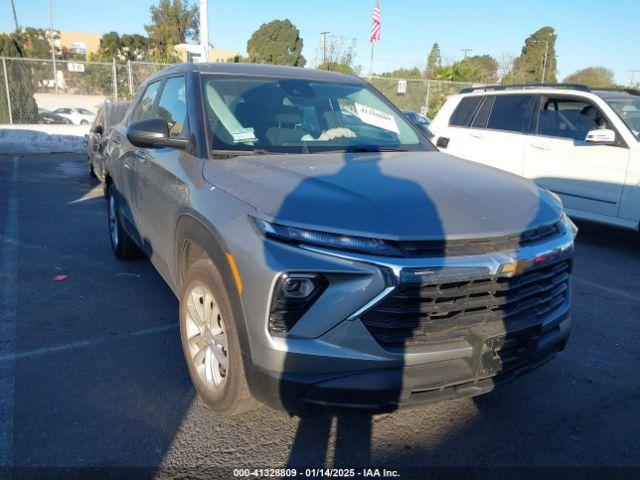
(207, 337)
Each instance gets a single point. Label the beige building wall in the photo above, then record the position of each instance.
(215, 54)
(89, 41)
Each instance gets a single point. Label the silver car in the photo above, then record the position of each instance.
(324, 253)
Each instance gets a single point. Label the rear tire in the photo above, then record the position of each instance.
(210, 341)
(122, 244)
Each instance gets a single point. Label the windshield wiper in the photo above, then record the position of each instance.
(376, 149)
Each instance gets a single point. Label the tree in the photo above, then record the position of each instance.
(172, 22)
(21, 86)
(35, 42)
(341, 54)
(475, 69)
(527, 68)
(434, 61)
(505, 64)
(594, 77)
(122, 48)
(277, 42)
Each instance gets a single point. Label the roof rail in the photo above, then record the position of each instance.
(630, 91)
(525, 86)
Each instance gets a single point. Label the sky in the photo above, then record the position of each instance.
(590, 32)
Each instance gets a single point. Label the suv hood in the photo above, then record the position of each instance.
(395, 196)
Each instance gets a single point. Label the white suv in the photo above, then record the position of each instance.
(582, 144)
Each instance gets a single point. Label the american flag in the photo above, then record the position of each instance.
(376, 24)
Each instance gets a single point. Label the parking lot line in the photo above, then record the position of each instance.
(84, 343)
(8, 295)
(614, 291)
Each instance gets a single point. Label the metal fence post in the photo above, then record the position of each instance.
(130, 78)
(428, 95)
(115, 81)
(6, 86)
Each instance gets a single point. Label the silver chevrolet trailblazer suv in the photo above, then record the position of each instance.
(324, 253)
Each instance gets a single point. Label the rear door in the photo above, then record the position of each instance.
(498, 131)
(588, 177)
(129, 154)
(452, 131)
(156, 174)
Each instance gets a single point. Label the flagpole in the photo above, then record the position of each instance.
(371, 65)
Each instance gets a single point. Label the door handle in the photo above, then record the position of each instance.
(476, 135)
(540, 146)
(141, 155)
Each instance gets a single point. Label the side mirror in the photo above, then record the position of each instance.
(424, 129)
(97, 129)
(153, 133)
(601, 137)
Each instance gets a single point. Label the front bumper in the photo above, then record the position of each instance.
(330, 360)
(492, 359)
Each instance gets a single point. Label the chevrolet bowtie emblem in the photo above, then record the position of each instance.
(519, 266)
(516, 268)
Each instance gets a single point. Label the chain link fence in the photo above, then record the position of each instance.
(423, 96)
(30, 88)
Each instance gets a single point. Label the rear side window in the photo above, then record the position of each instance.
(464, 112)
(172, 107)
(512, 113)
(144, 107)
(482, 117)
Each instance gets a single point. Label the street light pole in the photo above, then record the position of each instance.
(204, 30)
(15, 16)
(466, 50)
(324, 47)
(53, 48)
(546, 54)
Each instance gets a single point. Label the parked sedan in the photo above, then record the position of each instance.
(47, 117)
(110, 114)
(419, 121)
(78, 116)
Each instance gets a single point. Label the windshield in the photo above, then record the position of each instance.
(301, 116)
(628, 109)
(84, 111)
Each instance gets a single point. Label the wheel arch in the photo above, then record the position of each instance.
(194, 241)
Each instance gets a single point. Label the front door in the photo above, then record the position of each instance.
(156, 171)
(588, 177)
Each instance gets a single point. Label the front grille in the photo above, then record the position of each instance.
(533, 236)
(419, 314)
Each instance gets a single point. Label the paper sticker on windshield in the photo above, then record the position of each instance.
(244, 135)
(377, 118)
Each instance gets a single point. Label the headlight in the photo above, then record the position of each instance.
(568, 224)
(554, 195)
(371, 246)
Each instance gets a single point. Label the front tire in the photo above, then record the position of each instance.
(210, 341)
(122, 244)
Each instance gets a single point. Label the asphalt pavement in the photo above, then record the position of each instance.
(92, 373)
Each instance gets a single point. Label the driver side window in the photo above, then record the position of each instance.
(144, 108)
(569, 118)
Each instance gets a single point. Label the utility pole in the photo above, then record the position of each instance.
(466, 50)
(204, 30)
(323, 38)
(633, 76)
(15, 16)
(53, 48)
(546, 54)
